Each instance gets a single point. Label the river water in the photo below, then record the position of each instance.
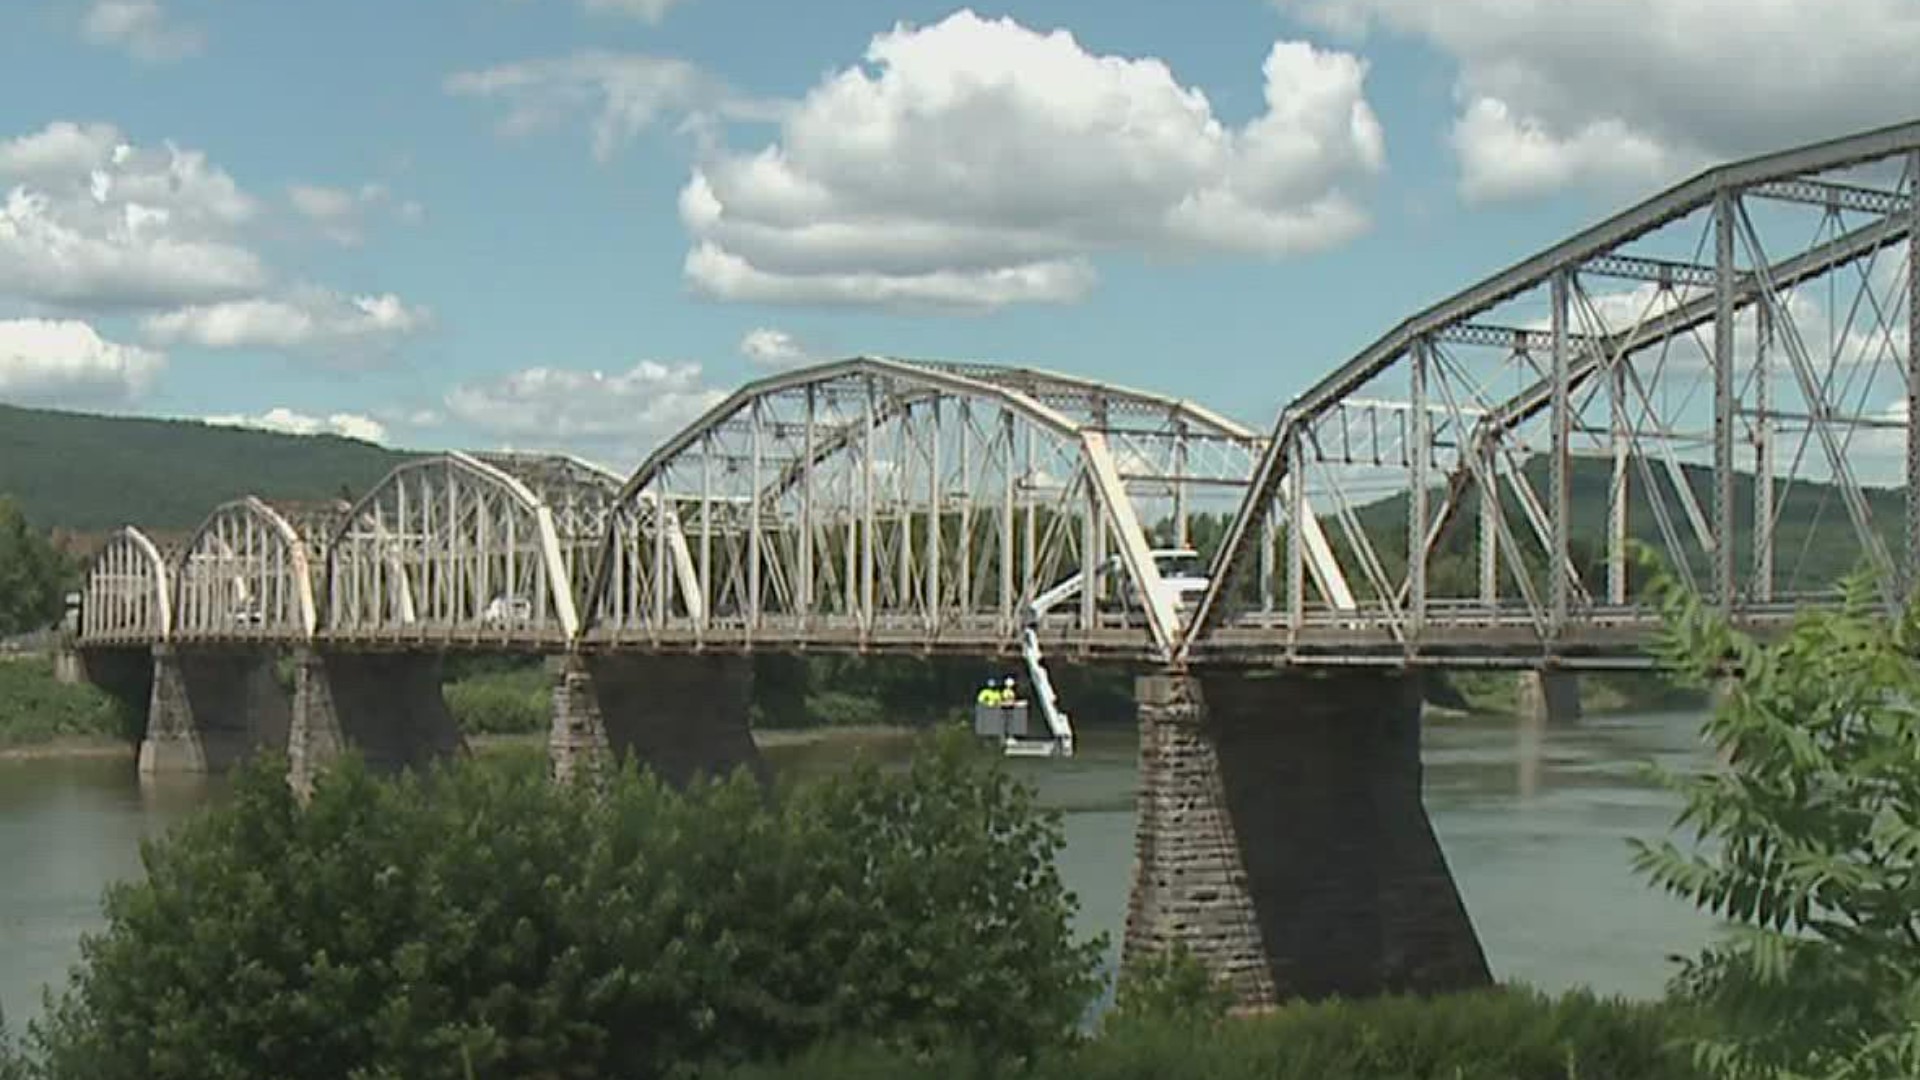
(1533, 823)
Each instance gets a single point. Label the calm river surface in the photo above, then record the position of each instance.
(1534, 825)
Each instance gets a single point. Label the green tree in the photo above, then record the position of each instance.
(483, 921)
(34, 576)
(1810, 842)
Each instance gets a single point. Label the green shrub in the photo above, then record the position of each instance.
(1812, 842)
(13, 1064)
(35, 707)
(515, 701)
(1171, 987)
(482, 920)
(1504, 1035)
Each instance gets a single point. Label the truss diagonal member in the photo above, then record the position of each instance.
(1163, 622)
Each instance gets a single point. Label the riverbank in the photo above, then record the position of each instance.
(72, 748)
(40, 713)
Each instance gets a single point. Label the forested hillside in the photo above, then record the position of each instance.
(90, 473)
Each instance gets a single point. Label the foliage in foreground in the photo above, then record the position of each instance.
(1500, 1035)
(482, 921)
(34, 576)
(35, 707)
(511, 702)
(1812, 843)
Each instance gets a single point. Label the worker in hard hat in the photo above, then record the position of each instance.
(1009, 694)
(989, 695)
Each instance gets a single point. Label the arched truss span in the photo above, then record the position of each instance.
(129, 596)
(450, 549)
(883, 503)
(246, 573)
(1720, 372)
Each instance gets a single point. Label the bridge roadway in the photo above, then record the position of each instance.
(1720, 373)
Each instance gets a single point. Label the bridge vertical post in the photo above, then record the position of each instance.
(1559, 561)
(1489, 526)
(1418, 511)
(1281, 840)
(1912, 567)
(1723, 399)
(1620, 489)
(934, 485)
(1763, 457)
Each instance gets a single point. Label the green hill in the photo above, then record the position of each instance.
(87, 474)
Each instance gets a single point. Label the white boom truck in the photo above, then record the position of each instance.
(1182, 577)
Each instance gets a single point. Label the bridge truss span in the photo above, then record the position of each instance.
(879, 503)
(128, 599)
(246, 574)
(450, 551)
(1720, 373)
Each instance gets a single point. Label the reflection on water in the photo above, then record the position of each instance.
(1534, 823)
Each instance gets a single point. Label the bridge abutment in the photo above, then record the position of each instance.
(211, 708)
(1549, 698)
(681, 715)
(385, 706)
(1281, 839)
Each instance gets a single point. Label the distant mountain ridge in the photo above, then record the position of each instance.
(87, 474)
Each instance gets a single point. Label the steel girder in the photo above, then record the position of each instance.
(1768, 340)
(876, 503)
(246, 573)
(450, 550)
(128, 598)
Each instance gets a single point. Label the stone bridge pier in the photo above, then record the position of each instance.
(1549, 697)
(681, 715)
(211, 708)
(1282, 841)
(386, 706)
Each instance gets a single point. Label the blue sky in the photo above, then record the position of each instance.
(573, 223)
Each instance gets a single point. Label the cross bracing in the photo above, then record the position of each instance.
(1723, 362)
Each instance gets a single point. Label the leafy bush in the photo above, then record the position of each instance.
(13, 1065)
(509, 702)
(483, 921)
(1169, 987)
(34, 576)
(35, 707)
(1812, 842)
(1505, 1035)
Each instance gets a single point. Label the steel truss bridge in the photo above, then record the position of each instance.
(1709, 370)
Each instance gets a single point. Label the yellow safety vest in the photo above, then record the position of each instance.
(989, 696)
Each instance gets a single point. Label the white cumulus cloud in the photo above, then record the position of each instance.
(303, 318)
(977, 162)
(142, 28)
(770, 348)
(1635, 92)
(287, 421)
(90, 220)
(619, 415)
(67, 362)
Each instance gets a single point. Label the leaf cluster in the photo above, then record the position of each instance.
(1809, 840)
(483, 921)
(1505, 1035)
